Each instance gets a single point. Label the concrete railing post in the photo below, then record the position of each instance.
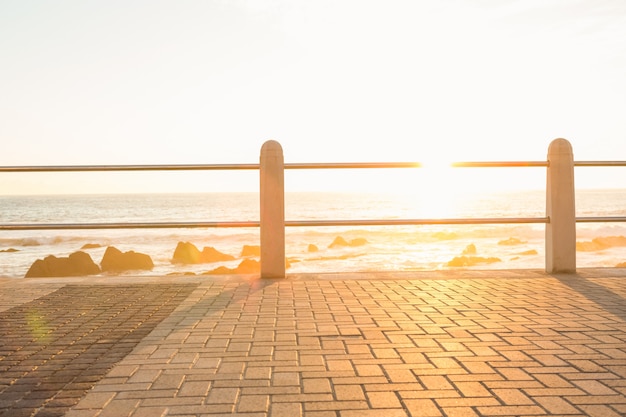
(560, 207)
(272, 210)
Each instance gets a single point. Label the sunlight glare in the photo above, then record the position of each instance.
(436, 193)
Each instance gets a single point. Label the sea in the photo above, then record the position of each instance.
(308, 249)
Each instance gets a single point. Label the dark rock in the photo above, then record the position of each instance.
(511, 241)
(251, 250)
(91, 246)
(601, 243)
(115, 260)
(529, 252)
(340, 241)
(10, 250)
(248, 266)
(77, 264)
(470, 249)
(220, 270)
(611, 241)
(312, 248)
(210, 254)
(188, 253)
(461, 261)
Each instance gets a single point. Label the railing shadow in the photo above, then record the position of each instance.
(605, 298)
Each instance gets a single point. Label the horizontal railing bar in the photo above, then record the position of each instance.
(290, 223)
(600, 219)
(408, 222)
(600, 163)
(304, 165)
(86, 168)
(350, 165)
(499, 164)
(91, 226)
(298, 223)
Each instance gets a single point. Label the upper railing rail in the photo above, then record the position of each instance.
(88, 168)
(297, 165)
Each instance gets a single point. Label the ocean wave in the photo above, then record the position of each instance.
(23, 242)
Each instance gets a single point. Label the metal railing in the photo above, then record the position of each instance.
(560, 220)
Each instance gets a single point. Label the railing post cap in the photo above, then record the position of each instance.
(560, 146)
(271, 146)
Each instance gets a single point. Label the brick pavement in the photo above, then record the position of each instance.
(479, 343)
(55, 348)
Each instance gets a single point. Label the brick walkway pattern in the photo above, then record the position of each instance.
(55, 348)
(493, 343)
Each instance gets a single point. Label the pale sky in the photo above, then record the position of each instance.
(190, 81)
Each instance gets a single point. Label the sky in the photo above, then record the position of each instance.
(191, 82)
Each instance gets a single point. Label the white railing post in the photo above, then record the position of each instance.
(272, 207)
(560, 208)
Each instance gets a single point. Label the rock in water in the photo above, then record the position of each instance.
(116, 261)
(251, 250)
(91, 246)
(470, 249)
(464, 261)
(77, 264)
(248, 266)
(186, 253)
(210, 254)
(511, 241)
(339, 241)
(601, 243)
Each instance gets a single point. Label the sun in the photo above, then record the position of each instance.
(432, 190)
(437, 190)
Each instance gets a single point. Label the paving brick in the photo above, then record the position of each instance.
(285, 379)
(194, 389)
(594, 387)
(383, 400)
(317, 385)
(285, 410)
(512, 396)
(460, 412)
(119, 408)
(253, 403)
(369, 370)
(556, 405)
(423, 407)
(599, 411)
(435, 382)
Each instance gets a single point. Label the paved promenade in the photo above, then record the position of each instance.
(471, 343)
